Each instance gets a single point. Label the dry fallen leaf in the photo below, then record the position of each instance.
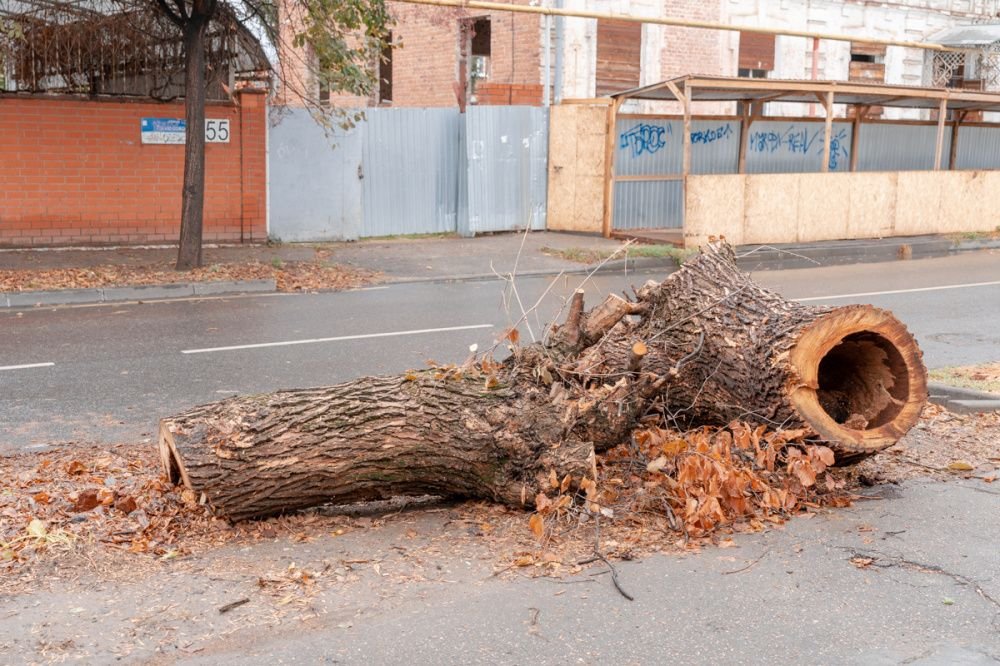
(960, 466)
(537, 525)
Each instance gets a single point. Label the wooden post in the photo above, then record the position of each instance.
(827, 130)
(953, 152)
(741, 162)
(859, 114)
(609, 168)
(686, 169)
(939, 147)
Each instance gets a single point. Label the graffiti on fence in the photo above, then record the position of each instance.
(800, 141)
(644, 138)
(712, 135)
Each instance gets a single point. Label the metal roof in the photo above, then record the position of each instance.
(733, 89)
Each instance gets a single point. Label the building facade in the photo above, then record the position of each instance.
(447, 56)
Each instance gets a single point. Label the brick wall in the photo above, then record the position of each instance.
(426, 61)
(74, 172)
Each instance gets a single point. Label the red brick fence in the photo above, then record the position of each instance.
(75, 172)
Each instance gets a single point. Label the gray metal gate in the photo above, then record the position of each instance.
(409, 171)
(507, 152)
(313, 183)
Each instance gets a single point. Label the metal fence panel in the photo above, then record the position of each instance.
(655, 146)
(978, 148)
(411, 171)
(649, 205)
(507, 152)
(888, 147)
(645, 146)
(314, 189)
(778, 146)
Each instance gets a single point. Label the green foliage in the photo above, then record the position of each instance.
(347, 37)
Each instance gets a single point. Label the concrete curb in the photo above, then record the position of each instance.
(152, 292)
(838, 253)
(962, 400)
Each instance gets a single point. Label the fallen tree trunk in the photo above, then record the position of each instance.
(705, 346)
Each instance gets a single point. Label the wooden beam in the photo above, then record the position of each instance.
(827, 130)
(686, 163)
(610, 141)
(939, 146)
(643, 178)
(745, 122)
(953, 151)
(859, 114)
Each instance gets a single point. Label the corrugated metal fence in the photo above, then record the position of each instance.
(409, 171)
(649, 152)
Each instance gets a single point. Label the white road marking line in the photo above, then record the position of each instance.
(902, 291)
(368, 289)
(338, 338)
(26, 366)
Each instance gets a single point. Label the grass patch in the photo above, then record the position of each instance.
(974, 236)
(584, 255)
(985, 377)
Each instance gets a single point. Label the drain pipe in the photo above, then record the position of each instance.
(557, 88)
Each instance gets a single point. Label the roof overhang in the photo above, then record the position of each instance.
(733, 89)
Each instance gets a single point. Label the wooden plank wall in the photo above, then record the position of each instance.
(619, 54)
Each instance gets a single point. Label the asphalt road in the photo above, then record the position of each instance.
(108, 373)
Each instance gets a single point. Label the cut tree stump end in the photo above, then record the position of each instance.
(862, 381)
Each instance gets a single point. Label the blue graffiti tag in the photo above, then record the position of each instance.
(799, 141)
(644, 138)
(712, 135)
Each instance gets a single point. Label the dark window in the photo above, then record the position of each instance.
(324, 84)
(862, 57)
(753, 73)
(756, 52)
(619, 55)
(481, 37)
(385, 72)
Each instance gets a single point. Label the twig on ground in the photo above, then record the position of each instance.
(235, 604)
(735, 571)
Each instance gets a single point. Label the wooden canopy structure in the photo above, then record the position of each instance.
(952, 106)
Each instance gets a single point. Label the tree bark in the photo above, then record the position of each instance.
(705, 346)
(193, 194)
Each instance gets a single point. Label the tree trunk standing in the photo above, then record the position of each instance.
(193, 195)
(705, 346)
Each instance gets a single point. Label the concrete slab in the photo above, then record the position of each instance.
(27, 299)
(973, 406)
(234, 287)
(147, 292)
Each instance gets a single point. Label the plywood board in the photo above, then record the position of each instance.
(714, 207)
(918, 202)
(771, 208)
(872, 209)
(824, 201)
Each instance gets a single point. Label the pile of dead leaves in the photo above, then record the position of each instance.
(289, 276)
(682, 488)
(62, 500)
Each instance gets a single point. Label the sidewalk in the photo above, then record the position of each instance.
(404, 260)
